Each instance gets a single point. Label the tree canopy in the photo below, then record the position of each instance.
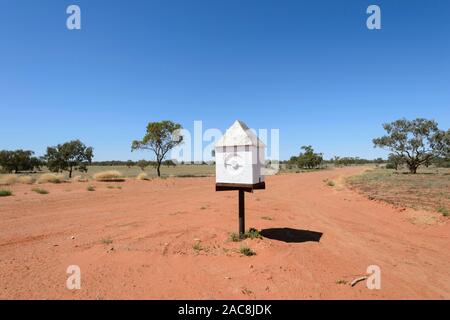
(69, 156)
(417, 141)
(18, 160)
(160, 138)
(308, 158)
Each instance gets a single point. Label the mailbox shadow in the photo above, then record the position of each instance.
(290, 235)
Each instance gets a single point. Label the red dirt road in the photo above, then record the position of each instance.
(153, 226)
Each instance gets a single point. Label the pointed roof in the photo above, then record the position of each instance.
(239, 135)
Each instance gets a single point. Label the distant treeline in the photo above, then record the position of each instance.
(311, 160)
(131, 163)
(412, 143)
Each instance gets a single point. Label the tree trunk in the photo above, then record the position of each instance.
(413, 168)
(70, 173)
(158, 169)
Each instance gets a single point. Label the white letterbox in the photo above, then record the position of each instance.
(239, 157)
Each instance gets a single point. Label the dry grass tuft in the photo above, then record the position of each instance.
(26, 179)
(8, 179)
(111, 175)
(80, 179)
(40, 190)
(142, 176)
(51, 178)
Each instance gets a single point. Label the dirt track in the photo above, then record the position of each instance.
(153, 226)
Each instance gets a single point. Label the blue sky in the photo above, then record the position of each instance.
(309, 68)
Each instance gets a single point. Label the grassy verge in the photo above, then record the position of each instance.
(429, 189)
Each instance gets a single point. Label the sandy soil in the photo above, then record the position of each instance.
(334, 235)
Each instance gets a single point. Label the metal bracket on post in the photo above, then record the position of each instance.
(241, 213)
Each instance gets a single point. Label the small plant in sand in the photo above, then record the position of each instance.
(114, 187)
(252, 233)
(26, 179)
(234, 237)
(445, 212)
(8, 179)
(197, 247)
(40, 190)
(5, 193)
(246, 251)
(142, 176)
(267, 218)
(90, 188)
(80, 179)
(111, 175)
(107, 241)
(51, 178)
(331, 183)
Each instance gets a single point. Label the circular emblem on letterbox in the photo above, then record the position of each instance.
(234, 164)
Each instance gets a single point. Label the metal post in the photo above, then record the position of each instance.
(241, 213)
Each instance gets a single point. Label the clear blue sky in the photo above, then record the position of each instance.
(310, 68)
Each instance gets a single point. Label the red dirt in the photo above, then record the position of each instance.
(154, 225)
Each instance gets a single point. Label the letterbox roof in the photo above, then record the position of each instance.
(239, 135)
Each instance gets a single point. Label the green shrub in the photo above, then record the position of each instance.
(390, 166)
(252, 233)
(246, 251)
(5, 193)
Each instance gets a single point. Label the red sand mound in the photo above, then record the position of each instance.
(317, 239)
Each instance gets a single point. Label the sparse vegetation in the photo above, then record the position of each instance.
(51, 178)
(142, 176)
(107, 241)
(429, 189)
(142, 164)
(330, 183)
(234, 237)
(445, 212)
(114, 187)
(246, 251)
(26, 180)
(40, 190)
(266, 218)
(80, 179)
(5, 193)
(90, 188)
(252, 233)
(111, 175)
(8, 179)
(197, 246)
